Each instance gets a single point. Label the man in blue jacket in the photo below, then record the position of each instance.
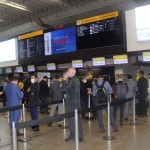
(14, 96)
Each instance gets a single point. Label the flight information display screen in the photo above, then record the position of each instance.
(98, 31)
(60, 41)
(31, 45)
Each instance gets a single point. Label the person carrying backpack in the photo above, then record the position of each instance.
(120, 90)
(101, 92)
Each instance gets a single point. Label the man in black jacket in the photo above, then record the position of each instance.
(34, 99)
(72, 89)
(142, 86)
(44, 92)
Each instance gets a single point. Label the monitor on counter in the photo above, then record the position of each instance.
(19, 69)
(1, 71)
(99, 61)
(31, 68)
(8, 70)
(77, 63)
(146, 56)
(51, 66)
(120, 59)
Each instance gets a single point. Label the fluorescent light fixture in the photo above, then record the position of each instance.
(15, 5)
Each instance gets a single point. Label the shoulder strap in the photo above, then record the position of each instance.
(103, 83)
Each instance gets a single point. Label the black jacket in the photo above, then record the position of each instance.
(83, 91)
(72, 89)
(34, 93)
(44, 91)
(142, 85)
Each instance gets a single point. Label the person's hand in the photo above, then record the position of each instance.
(1, 93)
(65, 77)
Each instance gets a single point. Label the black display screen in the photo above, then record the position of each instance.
(31, 47)
(101, 33)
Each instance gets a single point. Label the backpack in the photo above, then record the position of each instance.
(121, 89)
(101, 94)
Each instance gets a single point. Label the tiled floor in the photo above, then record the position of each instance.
(52, 138)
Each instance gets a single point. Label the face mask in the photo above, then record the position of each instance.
(32, 80)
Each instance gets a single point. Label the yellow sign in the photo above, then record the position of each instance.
(29, 35)
(98, 61)
(98, 18)
(120, 59)
(77, 63)
(146, 56)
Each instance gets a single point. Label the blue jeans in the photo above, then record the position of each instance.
(115, 108)
(100, 119)
(14, 116)
(45, 103)
(128, 105)
(34, 115)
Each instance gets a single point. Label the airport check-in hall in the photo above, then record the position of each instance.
(74, 75)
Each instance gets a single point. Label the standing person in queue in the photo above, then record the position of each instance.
(120, 90)
(72, 89)
(57, 95)
(143, 93)
(105, 86)
(84, 95)
(44, 92)
(14, 96)
(33, 93)
(132, 90)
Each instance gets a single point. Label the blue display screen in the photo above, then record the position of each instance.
(60, 41)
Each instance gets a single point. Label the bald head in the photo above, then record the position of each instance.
(71, 72)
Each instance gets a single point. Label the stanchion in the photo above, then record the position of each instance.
(76, 130)
(64, 126)
(89, 106)
(8, 116)
(109, 137)
(134, 119)
(14, 137)
(24, 138)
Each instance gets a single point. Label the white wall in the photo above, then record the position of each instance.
(11, 63)
(132, 44)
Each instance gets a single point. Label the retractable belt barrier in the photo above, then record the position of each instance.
(67, 115)
(27, 105)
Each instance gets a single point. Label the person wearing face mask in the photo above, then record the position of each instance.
(33, 93)
(72, 90)
(14, 96)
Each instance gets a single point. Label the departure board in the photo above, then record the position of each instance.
(31, 45)
(98, 31)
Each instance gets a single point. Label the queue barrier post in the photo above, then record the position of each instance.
(134, 115)
(89, 106)
(109, 137)
(25, 138)
(14, 137)
(76, 130)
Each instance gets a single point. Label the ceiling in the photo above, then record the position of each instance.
(22, 16)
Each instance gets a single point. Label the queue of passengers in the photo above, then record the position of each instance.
(77, 93)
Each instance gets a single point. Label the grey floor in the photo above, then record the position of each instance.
(52, 138)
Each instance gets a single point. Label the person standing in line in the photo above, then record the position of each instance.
(57, 95)
(132, 90)
(33, 93)
(72, 89)
(143, 93)
(44, 92)
(14, 96)
(108, 90)
(84, 95)
(120, 90)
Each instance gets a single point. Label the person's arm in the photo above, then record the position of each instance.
(51, 90)
(19, 93)
(109, 88)
(66, 86)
